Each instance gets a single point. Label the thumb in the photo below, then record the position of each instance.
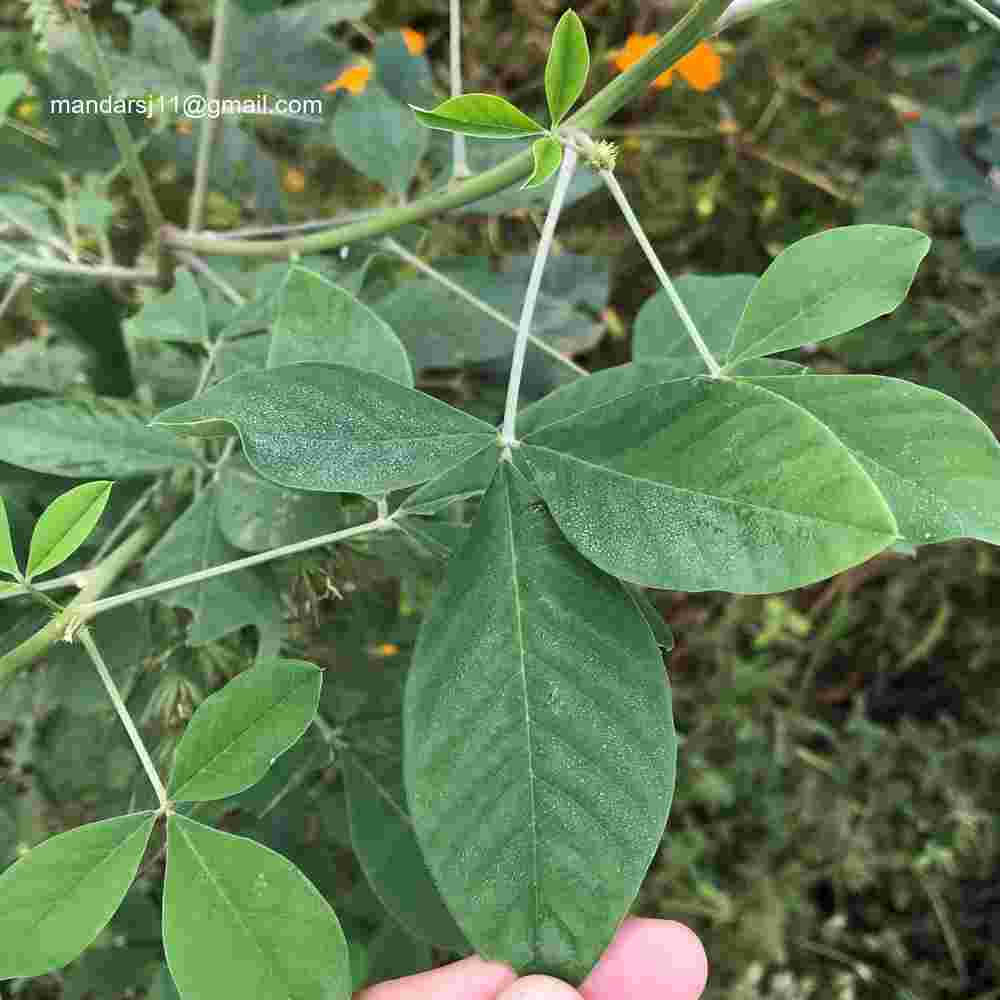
(539, 988)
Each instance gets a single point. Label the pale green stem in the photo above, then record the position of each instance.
(119, 130)
(210, 124)
(78, 580)
(97, 272)
(36, 234)
(633, 83)
(87, 641)
(195, 263)
(982, 13)
(17, 283)
(473, 300)
(531, 295)
(123, 525)
(668, 286)
(460, 162)
(88, 611)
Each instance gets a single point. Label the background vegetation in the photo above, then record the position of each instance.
(835, 831)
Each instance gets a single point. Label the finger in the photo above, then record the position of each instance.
(647, 959)
(470, 979)
(539, 988)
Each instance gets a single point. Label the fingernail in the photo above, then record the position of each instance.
(539, 988)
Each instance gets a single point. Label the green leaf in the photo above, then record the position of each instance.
(539, 741)
(8, 560)
(236, 733)
(241, 920)
(65, 525)
(703, 484)
(828, 284)
(178, 315)
(221, 604)
(377, 135)
(315, 320)
(567, 67)
(388, 851)
(547, 153)
(87, 439)
(406, 76)
(715, 302)
(484, 116)
(935, 462)
(981, 222)
(256, 514)
(340, 430)
(58, 897)
(661, 630)
(943, 164)
(468, 479)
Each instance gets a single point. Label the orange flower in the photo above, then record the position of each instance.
(416, 42)
(294, 181)
(386, 649)
(701, 67)
(353, 79)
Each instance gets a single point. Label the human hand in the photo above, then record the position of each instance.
(647, 960)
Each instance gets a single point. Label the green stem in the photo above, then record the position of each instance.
(87, 640)
(119, 130)
(102, 272)
(460, 161)
(98, 580)
(84, 612)
(683, 37)
(463, 293)
(668, 286)
(982, 13)
(531, 295)
(209, 125)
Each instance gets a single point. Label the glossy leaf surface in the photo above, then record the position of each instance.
(827, 284)
(539, 741)
(237, 733)
(241, 920)
(331, 428)
(65, 525)
(701, 484)
(567, 66)
(58, 897)
(484, 116)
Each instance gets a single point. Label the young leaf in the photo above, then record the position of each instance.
(336, 429)
(8, 560)
(86, 439)
(828, 284)
(388, 851)
(241, 920)
(222, 604)
(58, 897)
(315, 320)
(65, 525)
(484, 116)
(178, 315)
(936, 463)
(703, 484)
(567, 67)
(547, 153)
(539, 741)
(236, 733)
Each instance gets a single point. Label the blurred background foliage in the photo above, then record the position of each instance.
(836, 831)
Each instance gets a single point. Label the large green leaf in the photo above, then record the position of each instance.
(86, 439)
(828, 284)
(241, 920)
(237, 733)
(58, 897)
(484, 116)
(315, 320)
(936, 463)
(379, 137)
(567, 66)
(703, 484)
(539, 741)
(715, 302)
(65, 525)
(256, 514)
(221, 604)
(387, 848)
(178, 315)
(332, 428)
